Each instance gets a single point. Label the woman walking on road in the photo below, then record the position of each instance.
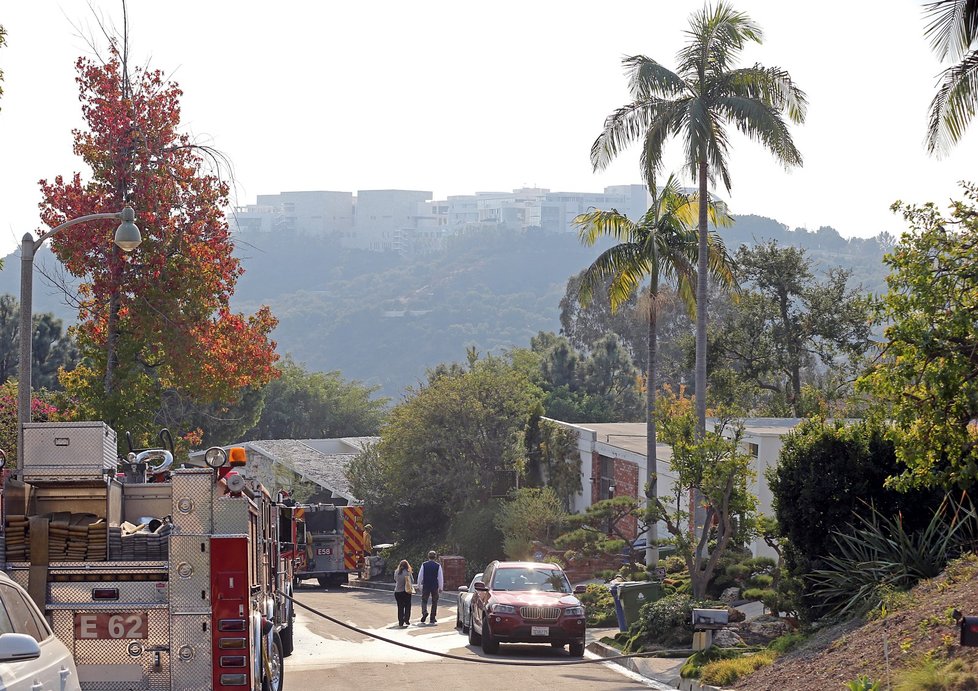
(403, 589)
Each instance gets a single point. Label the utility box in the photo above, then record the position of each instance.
(704, 619)
(969, 632)
(453, 572)
(79, 450)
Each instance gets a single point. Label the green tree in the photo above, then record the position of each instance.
(602, 529)
(529, 515)
(598, 385)
(662, 247)
(316, 405)
(827, 474)
(714, 469)
(696, 102)
(952, 29)
(552, 457)
(52, 348)
(585, 324)
(789, 329)
(926, 380)
(454, 443)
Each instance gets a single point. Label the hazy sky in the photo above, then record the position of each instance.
(457, 97)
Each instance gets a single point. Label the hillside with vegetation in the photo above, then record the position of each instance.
(384, 319)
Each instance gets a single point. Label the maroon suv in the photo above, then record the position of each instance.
(526, 602)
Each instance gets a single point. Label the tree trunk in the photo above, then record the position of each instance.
(652, 474)
(701, 307)
(111, 335)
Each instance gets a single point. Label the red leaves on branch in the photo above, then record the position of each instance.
(172, 294)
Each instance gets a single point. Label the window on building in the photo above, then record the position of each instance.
(605, 490)
(753, 450)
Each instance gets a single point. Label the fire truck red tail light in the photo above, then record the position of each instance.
(105, 593)
(231, 644)
(234, 680)
(231, 625)
(233, 660)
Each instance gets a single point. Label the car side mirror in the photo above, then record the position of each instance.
(578, 589)
(16, 647)
(463, 589)
(481, 587)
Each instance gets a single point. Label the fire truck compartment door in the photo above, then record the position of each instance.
(327, 553)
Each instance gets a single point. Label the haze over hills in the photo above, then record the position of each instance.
(383, 319)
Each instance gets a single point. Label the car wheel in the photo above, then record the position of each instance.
(458, 619)
(474, 638)
(467, 622)
(324, 581)
(577, 649)
(490, 645)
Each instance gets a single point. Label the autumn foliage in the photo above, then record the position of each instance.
(159, 319)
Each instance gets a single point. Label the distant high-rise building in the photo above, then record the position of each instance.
(316, 213)
(410, 221)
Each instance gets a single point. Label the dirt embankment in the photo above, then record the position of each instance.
(917, 627)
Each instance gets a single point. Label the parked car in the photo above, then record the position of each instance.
(463, 615)
(526, 602)
(31, 657)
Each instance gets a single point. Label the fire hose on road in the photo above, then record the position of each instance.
(461, 658)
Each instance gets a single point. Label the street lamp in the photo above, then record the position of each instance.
(127, 237)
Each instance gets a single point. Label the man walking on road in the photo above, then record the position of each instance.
(430, 582)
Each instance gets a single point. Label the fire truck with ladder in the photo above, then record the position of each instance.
(156, 578)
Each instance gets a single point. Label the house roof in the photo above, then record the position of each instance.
(321, 461)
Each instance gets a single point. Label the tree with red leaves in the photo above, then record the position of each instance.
(156, 331)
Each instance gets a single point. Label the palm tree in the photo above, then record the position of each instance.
(661, 246)
(952, 29)
(695, 103)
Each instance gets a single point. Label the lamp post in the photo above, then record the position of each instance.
(127, 237)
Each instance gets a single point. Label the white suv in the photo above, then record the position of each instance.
(31, 657)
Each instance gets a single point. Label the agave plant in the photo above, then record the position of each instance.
(879, 554)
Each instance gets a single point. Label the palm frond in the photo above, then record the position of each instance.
(953, 106)
(668, 124)
(624, 264)
(952, 28)
(596, 223)
(649, 79)
(763, 124)
(717, 37)
(772, 86)
(624, 126)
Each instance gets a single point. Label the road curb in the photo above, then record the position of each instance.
(640, 665)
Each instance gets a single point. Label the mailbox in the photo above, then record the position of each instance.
(969, 631)
(710, 618)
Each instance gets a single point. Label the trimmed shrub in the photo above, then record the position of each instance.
(599, 606)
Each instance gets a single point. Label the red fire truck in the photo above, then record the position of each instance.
(156, 578)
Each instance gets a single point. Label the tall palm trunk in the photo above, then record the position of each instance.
(651, 470)
(701, 307)
(695, 519)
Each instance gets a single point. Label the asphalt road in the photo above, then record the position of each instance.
(330, 656)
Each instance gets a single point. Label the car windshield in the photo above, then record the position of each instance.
(526, 578)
